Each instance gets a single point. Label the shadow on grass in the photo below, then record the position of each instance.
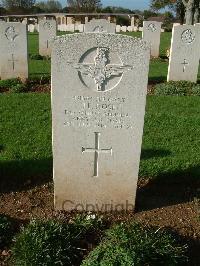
(156, 80)
(23, 174)
(169, 189)
(154, 153)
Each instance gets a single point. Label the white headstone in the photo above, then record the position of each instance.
(99, 85)
(124, 28)
(118, 28)
(13, 50)
(76, 27)
(133, 22)
(62, 27)
(31, 28)
(70, 27)
(81, 27)
(100, 25)
(129, 28)
(47, 33)
(25, 21)
(151, 33)
(184, 55)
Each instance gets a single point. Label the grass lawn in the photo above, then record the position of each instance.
(158, 67)
(171, 145)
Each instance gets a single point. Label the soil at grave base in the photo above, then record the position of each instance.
(156, 206)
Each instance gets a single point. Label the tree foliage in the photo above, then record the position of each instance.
(49, 6)
(185, 9)
(10, 4)
(17, 6)
(84, 5)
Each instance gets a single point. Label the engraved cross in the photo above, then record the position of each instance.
(97, 151)
(185, 63)
(13, 62)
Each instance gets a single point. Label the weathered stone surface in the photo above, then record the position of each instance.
(13, 50)
(184, 55)
(151, 33)
(99, 84)
(47, 32)
(100, 25)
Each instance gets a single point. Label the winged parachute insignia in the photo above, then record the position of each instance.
(11, 34)
(100, 70)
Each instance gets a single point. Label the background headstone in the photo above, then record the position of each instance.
(13, 50)
(47, 31)
(31, 28)
(70, 27)
(100, 25)
(184, 54)
(151, 33)
(118, 28)
(124, 28)
(129, 28)
(99, 85)
(81, 27)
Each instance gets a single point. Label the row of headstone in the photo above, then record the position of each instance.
(184, 56)
(71, 27)
(184, 52)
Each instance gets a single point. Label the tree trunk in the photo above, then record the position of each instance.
(189, 13)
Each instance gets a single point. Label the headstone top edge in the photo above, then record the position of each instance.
(152, 21)
(136, 40)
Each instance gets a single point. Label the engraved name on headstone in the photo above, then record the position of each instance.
(13, 50)
(99, 85)
(47, 32)
(100, 25)
(184, 59)
(151, 33)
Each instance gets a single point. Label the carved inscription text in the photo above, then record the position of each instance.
(97, 112)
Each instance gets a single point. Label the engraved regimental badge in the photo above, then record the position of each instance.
(11, 33)
(101, 71)
(188, 36)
